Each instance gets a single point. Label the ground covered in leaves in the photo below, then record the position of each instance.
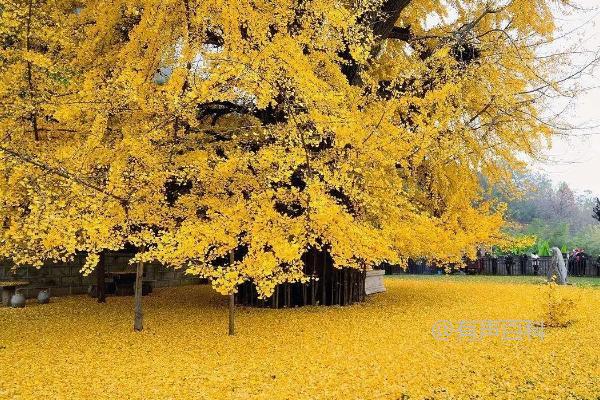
(75, 348)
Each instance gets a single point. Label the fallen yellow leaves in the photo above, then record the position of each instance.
(75, 348)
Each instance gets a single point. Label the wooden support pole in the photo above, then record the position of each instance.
(339, 286)
(101, 278)
(138, 323)
(363, 282)
(231, 302)
(351, 289)
(304, 289)
(345, 292)
(332, 280)
(231, 314)
(324, 283)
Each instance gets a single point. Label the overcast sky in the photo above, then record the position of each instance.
(576, 159)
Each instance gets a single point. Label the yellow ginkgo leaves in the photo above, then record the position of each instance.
(381, 349)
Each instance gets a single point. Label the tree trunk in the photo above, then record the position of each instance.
(138, 323)
(100, 278)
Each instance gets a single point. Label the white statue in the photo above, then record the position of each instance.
(557, 267)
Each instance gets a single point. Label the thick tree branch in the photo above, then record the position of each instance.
(33, 116)
(390, 12)
(60, 172)
(386, 19)
(399, 33)
(216, 109)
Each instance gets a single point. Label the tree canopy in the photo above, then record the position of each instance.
(193, 129)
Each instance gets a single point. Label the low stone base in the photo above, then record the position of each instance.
(7, 293)
(374, 281)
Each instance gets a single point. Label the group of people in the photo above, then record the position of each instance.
(577, 254)
(576, 261)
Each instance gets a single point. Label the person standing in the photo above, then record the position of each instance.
(535, 262)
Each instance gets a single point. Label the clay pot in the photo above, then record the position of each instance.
(17, 300)
(43, 296)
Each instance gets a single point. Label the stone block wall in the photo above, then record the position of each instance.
(65, 278)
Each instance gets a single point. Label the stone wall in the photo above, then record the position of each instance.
(65, 278)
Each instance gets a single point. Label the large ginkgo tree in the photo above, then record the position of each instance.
(231, 138)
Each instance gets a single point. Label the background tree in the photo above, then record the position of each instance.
(564, 202)
(551, 213)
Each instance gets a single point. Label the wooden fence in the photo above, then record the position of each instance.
(525, 265)
(511, 265)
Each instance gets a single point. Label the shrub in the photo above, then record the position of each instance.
(557, 308)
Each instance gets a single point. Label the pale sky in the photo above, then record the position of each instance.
(576, 159)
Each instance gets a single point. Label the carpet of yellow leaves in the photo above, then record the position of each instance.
(75, 348)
